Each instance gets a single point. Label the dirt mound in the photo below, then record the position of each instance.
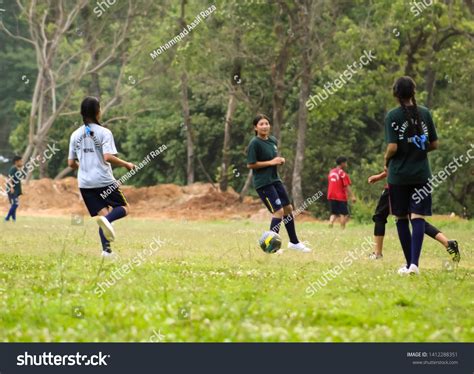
(197, 201)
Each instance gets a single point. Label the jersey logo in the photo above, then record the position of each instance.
(419, 141)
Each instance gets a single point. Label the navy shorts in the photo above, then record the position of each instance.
(382, 211)
(413, 198)
(95, 202)
(338, 207)
(274, 196)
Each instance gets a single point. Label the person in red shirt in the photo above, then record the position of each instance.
(339, 191)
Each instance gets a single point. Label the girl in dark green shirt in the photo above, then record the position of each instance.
(410, 134)
(263, 159)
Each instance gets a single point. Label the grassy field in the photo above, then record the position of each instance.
(209, 282)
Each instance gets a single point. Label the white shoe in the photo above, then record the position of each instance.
(299, 247)
(403, 270)
(374, 256)
(106, 254)
(413, 269)
(107, 228)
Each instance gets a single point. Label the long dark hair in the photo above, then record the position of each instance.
(257, 119)
(404, 89)
(90, 108)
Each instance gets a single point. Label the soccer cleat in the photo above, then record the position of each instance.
(374, 256)
(413, 270)
(107, 228)
(299, 247)
(403, 270)
(453, 250)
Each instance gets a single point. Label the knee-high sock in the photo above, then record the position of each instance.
(418, 228)
(104, 241)
(12, 212)
(275, 224)
(289, 221)
(116, 213)
(430, 230)
(403, 228)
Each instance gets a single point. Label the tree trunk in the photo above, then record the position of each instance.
(279, 87)
(231, 106)
(246, 187)
(297, 190)
(187, 126)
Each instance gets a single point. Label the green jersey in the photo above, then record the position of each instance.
(410, 164)
(15, 179)
(263, 150)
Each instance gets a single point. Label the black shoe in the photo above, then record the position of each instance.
(453, 250)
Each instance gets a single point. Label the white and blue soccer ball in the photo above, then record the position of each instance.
(270, 242)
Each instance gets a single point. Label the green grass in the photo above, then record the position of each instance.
(209, 282)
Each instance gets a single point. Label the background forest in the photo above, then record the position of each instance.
(199, 96)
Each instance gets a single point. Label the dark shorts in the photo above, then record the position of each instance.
(338, 207)
(406, 199)
(382, 211)
(274, 196)
(95, 202)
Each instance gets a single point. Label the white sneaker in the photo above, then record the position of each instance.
(106, 254)
(413, 269)
(403, 270)
(299, 247)
(374, 256)
(107, 228)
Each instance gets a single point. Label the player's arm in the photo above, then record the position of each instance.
(116, 161)
(350, 194)
(377, 177)
(265, 164)
(73, 164)
(433, 146)
(389, 153)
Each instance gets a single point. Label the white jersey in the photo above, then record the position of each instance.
(89, 149)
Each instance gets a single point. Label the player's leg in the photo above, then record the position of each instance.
(450, 245)
(399, 203)
(270, 198)
(119, 209)
(11, 211)
(380, 220)
(343, 210)
(419, 210)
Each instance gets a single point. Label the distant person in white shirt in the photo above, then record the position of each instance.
(92, 151)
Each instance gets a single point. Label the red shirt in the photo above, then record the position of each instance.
(338, 180)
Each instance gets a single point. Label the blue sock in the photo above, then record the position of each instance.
(290, 228)
(418, 228)
(14, 207)
(403, 228)
(11, 212)
(105, 242)
(116, 213)
(275, 224)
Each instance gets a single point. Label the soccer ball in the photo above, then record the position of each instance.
(270, 242)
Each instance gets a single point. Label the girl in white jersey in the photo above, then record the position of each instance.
(92, 151)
